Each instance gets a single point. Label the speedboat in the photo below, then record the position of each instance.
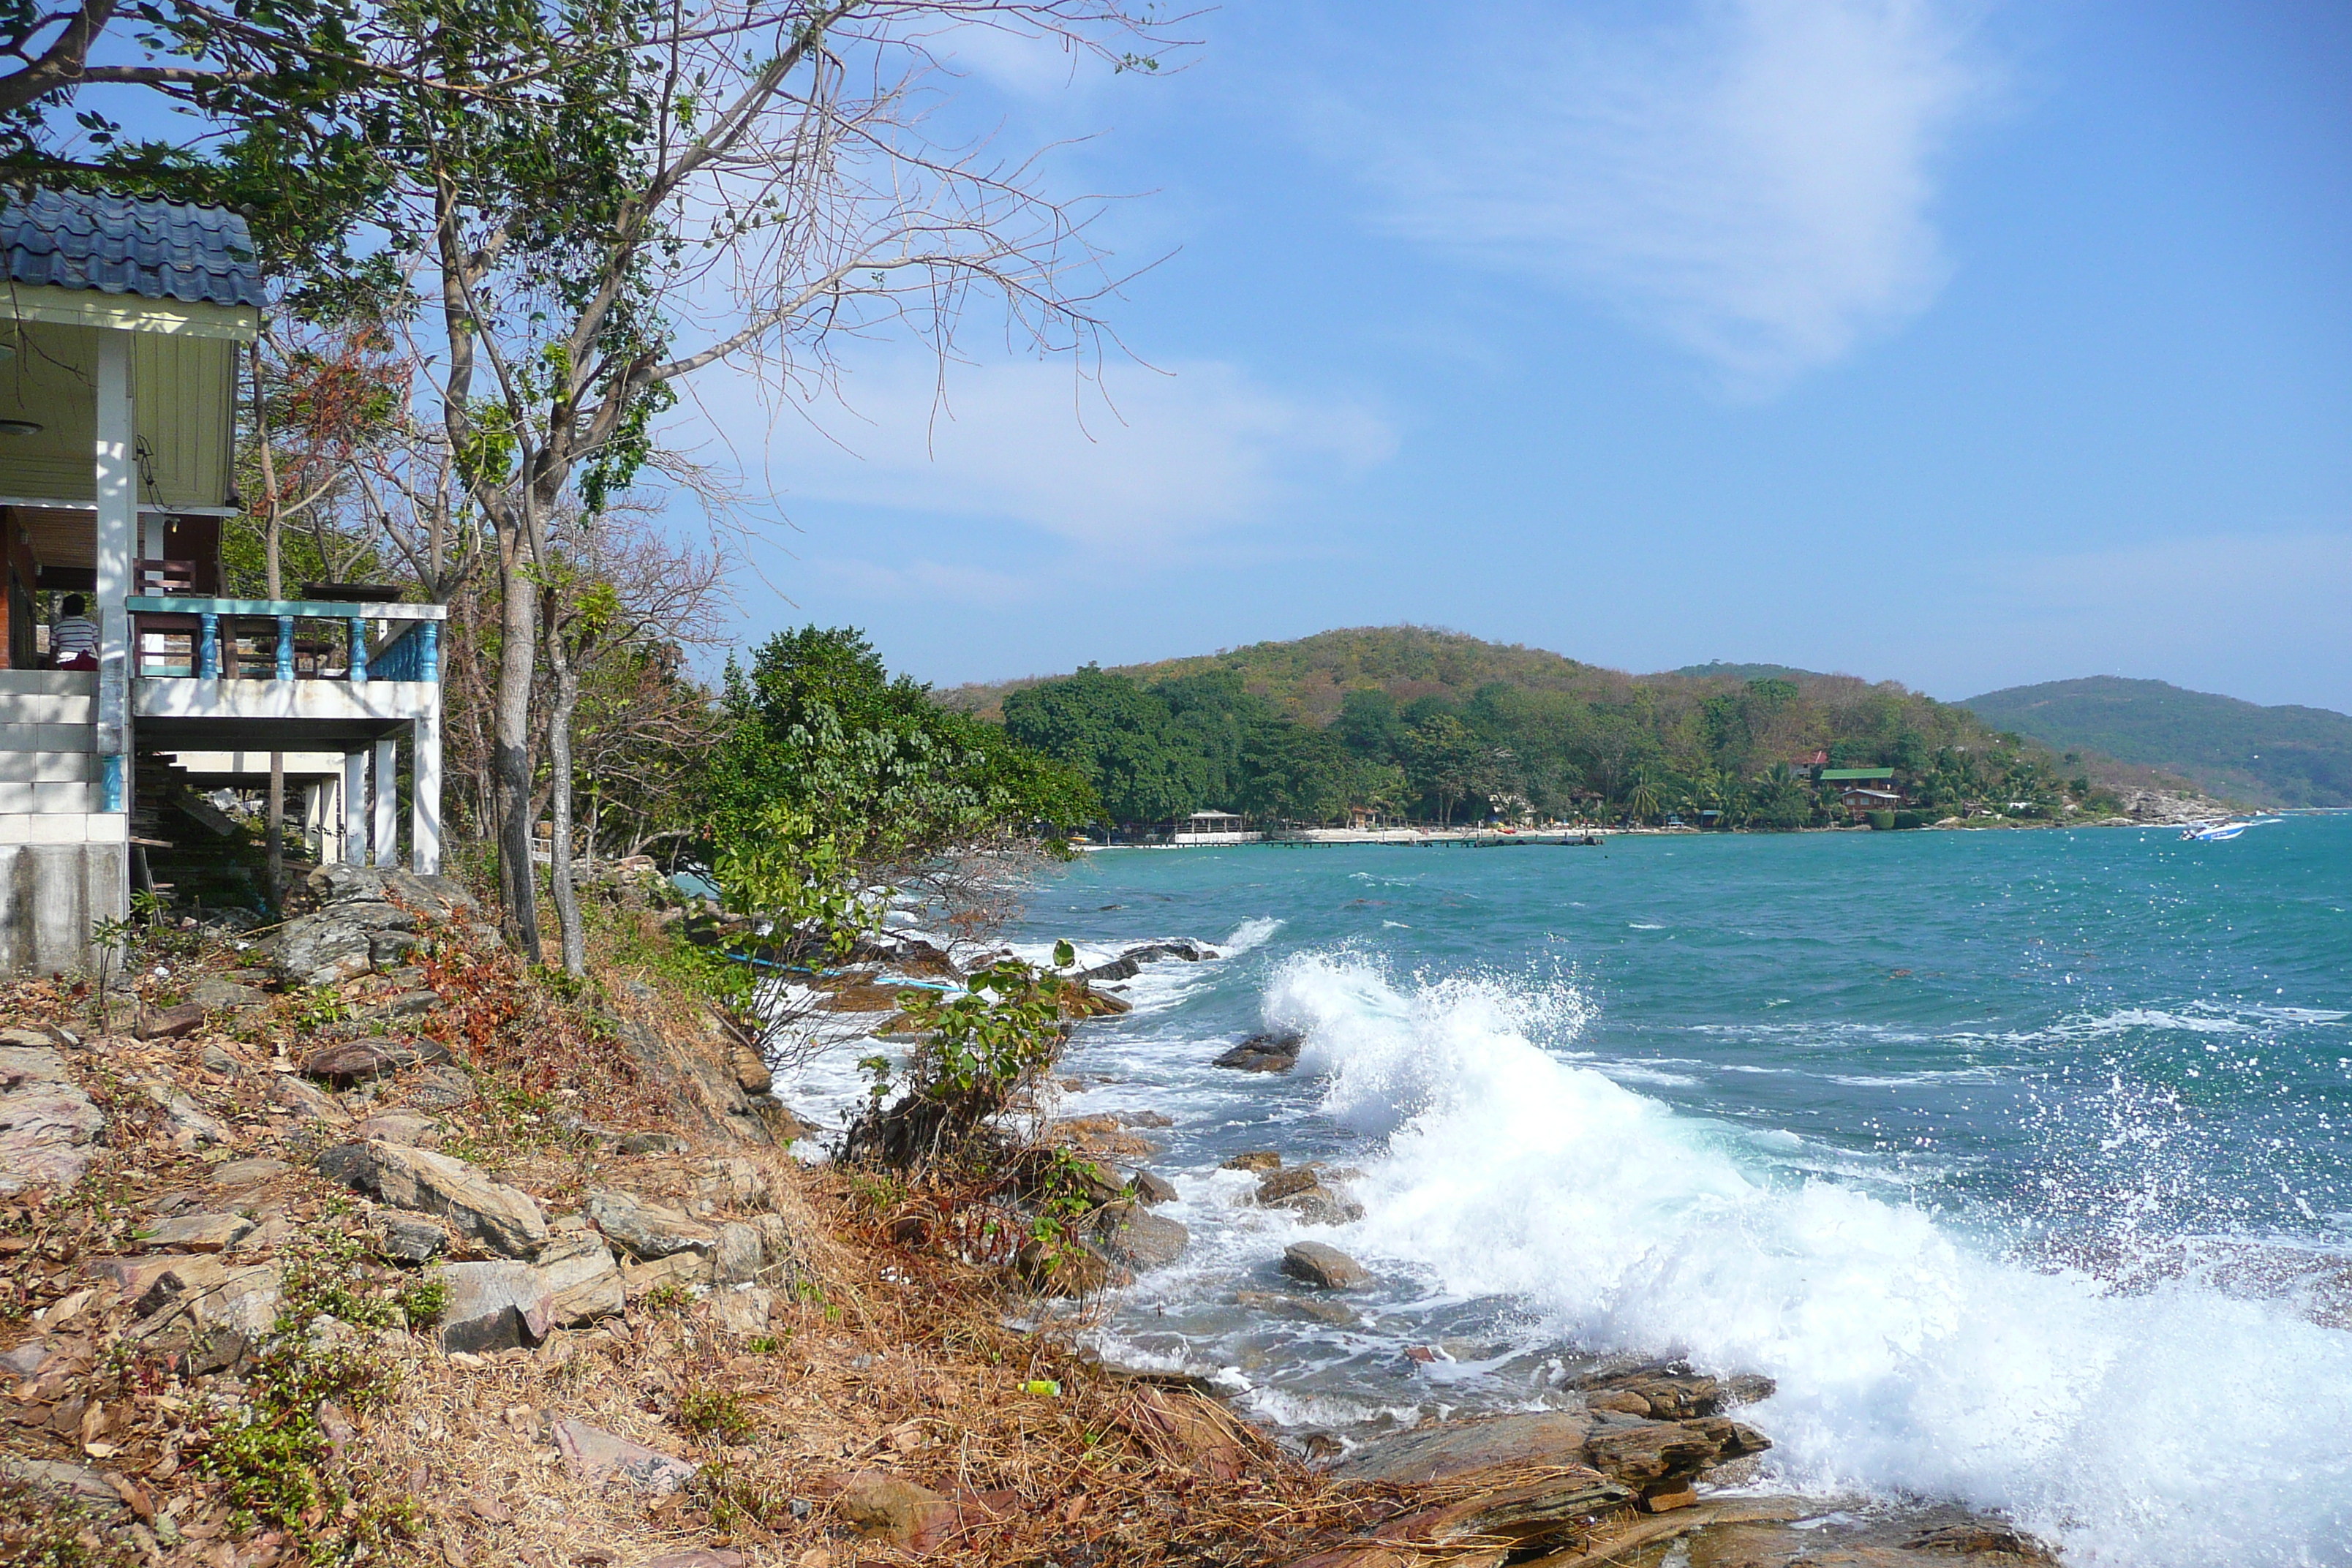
(2222, 831)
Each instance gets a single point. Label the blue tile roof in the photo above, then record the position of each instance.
(119, 244)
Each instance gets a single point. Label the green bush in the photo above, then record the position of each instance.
(1882, 821)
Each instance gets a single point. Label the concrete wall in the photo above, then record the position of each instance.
(50, 894)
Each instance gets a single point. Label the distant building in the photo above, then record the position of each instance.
(1213, 827)
(1858, 800)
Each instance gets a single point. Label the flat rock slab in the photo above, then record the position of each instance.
(377, 1056)
(46, 1122)
(1441, 1451)
(1325, 1267)
(495, 1307)
(646, 1229)
(78, 1483)
(1255, 1160)
(198, 1232)
(502, 1219)
(595, 1457)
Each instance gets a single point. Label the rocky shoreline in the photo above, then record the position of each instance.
(349, 1242)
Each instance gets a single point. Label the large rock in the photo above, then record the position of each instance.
(414, 1128)
(500, 1217)
(306, 1100)
(46, 1122)
(495, 1307)
(1325, 1267)
(1264, 1053)
(197, 1232)
(1316, 1204)
(646, 1229)
(379, 1055)
(678, 1271)
(583, 1275)
(1661, 1457)
(369, 918)
(212, 1314)
(169, 1023)
(735, 1257)
(218, 992)
(191, 1127)
(410, 1238)
(892, 1509)
(1652, 1458)
(1443, 1451)
(595, 1457)
(742, 1310)
(1142, 1240)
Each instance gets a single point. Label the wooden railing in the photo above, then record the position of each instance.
(412, 652)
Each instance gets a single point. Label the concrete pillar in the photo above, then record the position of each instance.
(356, 808)
(118, 498)
(387, 802)
(425, 798)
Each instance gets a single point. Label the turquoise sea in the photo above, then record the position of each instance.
(2022, 1161)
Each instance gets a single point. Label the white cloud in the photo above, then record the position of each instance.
(1754, 181)
(1201, 448)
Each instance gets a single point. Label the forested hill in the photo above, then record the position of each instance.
(1308, 680)
(1414, 721)
(2267, 756)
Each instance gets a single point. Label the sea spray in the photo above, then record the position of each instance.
(2178, 1425)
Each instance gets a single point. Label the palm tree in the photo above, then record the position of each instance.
(1641, 800)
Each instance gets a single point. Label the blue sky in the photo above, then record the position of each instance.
(1966, 345)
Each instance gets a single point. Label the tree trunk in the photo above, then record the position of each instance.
(511, 749)
(559, 756)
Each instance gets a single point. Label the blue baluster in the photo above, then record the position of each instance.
(359, 649)
(429, 654)
(113, 787)
(284, 648)
(208, 660)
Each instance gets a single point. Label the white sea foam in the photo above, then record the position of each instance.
(1909, 1357)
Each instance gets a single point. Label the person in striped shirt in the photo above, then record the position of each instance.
(73, 640)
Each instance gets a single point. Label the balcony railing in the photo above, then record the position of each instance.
(215, 632)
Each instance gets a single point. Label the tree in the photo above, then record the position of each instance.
(565, 210)
(1121, 737)
(1641, 800)
(1441, 759)
(818, 725)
